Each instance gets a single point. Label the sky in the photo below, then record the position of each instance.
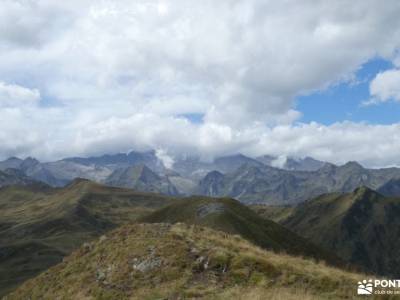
(209, 78)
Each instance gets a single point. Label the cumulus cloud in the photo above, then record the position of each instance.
(386, 87)
(120, 75)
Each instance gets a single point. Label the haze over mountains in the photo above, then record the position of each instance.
(264, 179)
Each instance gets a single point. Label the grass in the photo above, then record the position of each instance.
(232, 217)
(40, 225)
(194, 263)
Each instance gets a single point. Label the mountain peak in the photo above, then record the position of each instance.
(29, 162)
(142, 178)
(353, 165)
(327, 168)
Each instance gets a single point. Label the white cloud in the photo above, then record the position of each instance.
(386, 86)
(167, 160)
(12, 95)
(118, 75)
(279, 162)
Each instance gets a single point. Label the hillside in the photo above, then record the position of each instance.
(232, 217)
(276, 213)
(361, 227)
(160, 261)
(39, 225)
(390, 188)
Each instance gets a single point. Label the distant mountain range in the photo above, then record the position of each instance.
(264, 184)
(264, 179)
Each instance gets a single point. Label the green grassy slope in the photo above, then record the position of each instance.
(231, 216)
(362, 227)
(40, 225)
(160, 261)
(276, 213)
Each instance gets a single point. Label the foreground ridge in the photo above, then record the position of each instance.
(162, 261)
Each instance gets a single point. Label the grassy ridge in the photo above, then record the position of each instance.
(231, 216)
(160, 261)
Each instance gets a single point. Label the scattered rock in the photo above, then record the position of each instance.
(87, 247)
(202, 263)
(212, 208)
(147, 264)
(100, 275)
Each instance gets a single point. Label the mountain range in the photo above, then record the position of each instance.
(265, 184)
(263, 179)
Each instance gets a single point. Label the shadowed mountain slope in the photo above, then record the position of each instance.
(362, 227)
(390, 188)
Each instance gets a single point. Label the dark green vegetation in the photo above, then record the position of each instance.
(278, 213)
(39, 225)
(160, 261)
(362, 227)
(231, 216)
